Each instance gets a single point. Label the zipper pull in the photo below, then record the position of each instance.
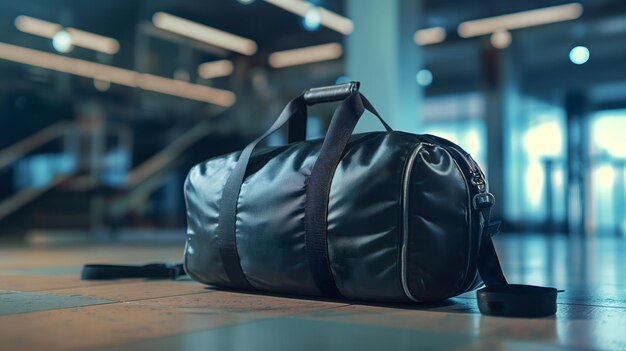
(478, 181)
(483, 200)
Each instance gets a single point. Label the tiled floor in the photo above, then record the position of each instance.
(44, 306)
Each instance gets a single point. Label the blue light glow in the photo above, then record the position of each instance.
(312, 19)
(424, 77)
(342, 80)
(579, 55)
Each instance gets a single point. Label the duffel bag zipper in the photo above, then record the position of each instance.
(478, 187)
(405, 218)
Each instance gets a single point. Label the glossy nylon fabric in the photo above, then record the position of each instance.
(365, 221)
(441, 227)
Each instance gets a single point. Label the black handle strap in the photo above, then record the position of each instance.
(498, 297)
(228, 203)
(150, 271)
(318, 188)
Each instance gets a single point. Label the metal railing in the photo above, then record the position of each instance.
(21, 149)
(142, 180)
(33, 142)
(150, 176)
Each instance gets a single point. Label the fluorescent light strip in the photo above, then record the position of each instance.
(214, 69)
(297, 7)
(519, 20)
(429, 36)
(328, 18)
(93, 41)
(116, 75)
(79, 37)
(203, 33)
(305, 55)
(36, 26)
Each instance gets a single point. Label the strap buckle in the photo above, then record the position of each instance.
(175, 270)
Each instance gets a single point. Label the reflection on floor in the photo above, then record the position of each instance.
(43, 305)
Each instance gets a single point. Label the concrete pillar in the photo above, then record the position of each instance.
(382, 55)
(503, 106)
(578, 213)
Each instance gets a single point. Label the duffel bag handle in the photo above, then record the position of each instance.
(338, 93)
(330, 93)
(312, 96)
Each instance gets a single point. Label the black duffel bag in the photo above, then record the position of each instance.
(382, 216)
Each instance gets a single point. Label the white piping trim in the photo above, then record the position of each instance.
(405, 220)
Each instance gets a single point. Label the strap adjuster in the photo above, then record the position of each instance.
(175, 270)
(483, 201)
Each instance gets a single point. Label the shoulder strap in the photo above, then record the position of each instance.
(498, 297)
(318, 188)
(226, 237)
(150, 271)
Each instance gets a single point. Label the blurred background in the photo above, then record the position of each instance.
(105, 105)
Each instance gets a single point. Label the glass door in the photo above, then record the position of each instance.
(606, 211)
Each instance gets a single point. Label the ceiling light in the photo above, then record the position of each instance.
(579, 55)
(327, 18)
(214, 69)
(36, 26)
(428, 36)
(116, 75)
(500, 39)
(203, 33)
(246, 2)
(311, 19)
(520, 20)
(305, 55)
(62, 42)
(77, 37)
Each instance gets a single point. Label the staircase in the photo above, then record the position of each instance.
(85, 199)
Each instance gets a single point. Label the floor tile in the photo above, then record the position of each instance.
(44, 282)
(23, 302)
(574, 326)
(136, 289)
(301, 334)
(232, 302)
(103, 325)
(297, 334)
